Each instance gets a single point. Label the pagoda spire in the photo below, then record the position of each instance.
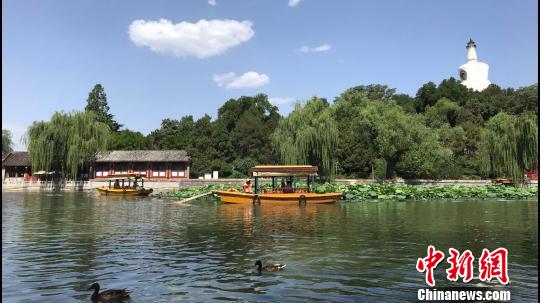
(471, 51)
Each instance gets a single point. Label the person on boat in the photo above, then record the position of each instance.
(247, 186)
(135, 184)
(288, 189)
(116, 184)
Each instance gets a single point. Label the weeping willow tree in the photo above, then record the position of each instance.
(7, 143)
(66, 142)
(308, 136)
(511, 145)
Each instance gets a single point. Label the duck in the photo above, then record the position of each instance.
(269, 267)
(108, 295)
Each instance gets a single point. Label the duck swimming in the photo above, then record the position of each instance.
(108, 295)
(268, 267)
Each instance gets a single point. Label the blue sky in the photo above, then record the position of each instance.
(54, 52)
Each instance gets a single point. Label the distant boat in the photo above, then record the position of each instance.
(280, 195)
(121, 187)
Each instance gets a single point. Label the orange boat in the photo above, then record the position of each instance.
(121, 188)
(285, 194)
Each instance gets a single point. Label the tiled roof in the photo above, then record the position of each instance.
(17, 159)
(144, 156)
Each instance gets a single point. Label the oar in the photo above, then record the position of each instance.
(193, 198)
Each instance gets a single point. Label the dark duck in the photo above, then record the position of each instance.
(109, 295)
(268, 267)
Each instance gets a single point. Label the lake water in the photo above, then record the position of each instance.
(54, 245)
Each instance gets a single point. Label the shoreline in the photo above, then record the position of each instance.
(161, 186)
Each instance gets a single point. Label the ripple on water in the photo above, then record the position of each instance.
(55, 246)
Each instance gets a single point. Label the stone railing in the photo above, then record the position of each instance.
(17, 184)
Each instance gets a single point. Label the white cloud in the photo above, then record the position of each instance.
(294, 2)
(212, 2)
(249, 79)
(203, 39)
(280, 100)
(317, 49)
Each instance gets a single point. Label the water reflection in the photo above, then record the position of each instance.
(55, 245)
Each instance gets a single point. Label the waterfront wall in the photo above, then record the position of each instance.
(18, 184)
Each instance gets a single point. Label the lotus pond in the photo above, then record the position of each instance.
(391, 191)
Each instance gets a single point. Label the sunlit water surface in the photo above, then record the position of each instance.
(54, 245)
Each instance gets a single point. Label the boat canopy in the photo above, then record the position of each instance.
(283, 170)
(125, 176)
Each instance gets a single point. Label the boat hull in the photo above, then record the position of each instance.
(124, 192)
(273, 198)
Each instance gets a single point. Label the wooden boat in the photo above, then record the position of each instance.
(120, 187)
(280, 195)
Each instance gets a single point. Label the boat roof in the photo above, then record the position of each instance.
(283, 170)
(125, 176)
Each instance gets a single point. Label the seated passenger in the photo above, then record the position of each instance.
(247, 186)
(288, 189)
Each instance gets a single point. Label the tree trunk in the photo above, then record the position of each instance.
(390, 169)
(391, 163)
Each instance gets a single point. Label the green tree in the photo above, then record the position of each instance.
(428, 157)
(444, 111)
(391, 131)
(525, 99)
(202, 152)
(250, 121)
(66, 142)
(512, 145)
(489, 102)
(173, 134)
(251, 138)
(7, 143)
(371, 92)
(97, 102)
(355, 156)
(453, 89)
(128, 140)
(426, 96)
(241, 167)
(308, 136)
(224, 150)
(406, 102)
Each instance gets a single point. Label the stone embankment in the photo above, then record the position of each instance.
(159, 186)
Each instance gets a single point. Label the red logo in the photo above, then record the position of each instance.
(429, 263)
(460, 266)
(494, 265)
(491, 265)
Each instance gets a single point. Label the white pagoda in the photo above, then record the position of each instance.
(474, 74)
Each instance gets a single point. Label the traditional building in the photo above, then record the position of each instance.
(152, 164)
(17, 165)
(474, 74)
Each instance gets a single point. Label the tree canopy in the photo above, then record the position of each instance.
(97, 102)
(391, 131)
(128, 140)
(444, 131)
(512, 145)
(308, 136)
(66, 142)
(7, 143)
